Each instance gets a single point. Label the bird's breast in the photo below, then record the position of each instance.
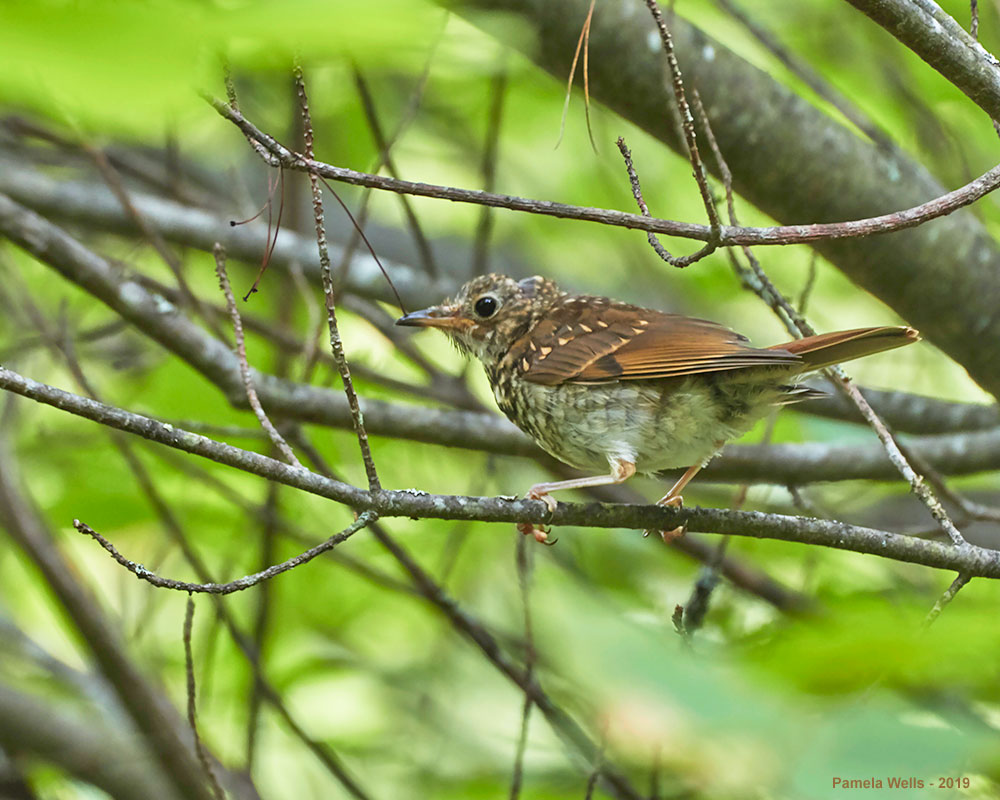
(656, 425)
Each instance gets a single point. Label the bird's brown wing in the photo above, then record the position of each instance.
(593, 340)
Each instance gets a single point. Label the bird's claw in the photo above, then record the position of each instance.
(676, 533)
(671, 535)
(545, 497)
(540, 532)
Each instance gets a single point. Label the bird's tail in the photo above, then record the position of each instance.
(827, 349)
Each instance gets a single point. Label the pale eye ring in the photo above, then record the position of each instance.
(486, 306)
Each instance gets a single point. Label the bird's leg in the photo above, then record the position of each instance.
(621, 471)
(673, 498)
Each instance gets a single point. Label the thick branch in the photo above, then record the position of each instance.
(939, 40)
(799, 464)
(95, 206)
(85, 748)
(906, 413)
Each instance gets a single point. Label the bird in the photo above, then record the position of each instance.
(615, 389)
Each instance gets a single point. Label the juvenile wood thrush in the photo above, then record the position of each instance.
(596, 382)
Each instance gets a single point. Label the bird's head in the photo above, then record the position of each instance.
(488, 314)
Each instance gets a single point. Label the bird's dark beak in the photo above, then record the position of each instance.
(448, 318)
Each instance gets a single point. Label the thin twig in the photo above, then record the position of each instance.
(727, 236)
(709, 575)
(917, 483)
(364, 206)
(271, 241)
(463, 622)
(192, 715)
(969, 508)
(51, 245)
(488, 167)
(149, 232)
(384, 146)
(580, 42)
(753, 278)
(175, 533)
(241, 353)
(269, 519)
(156, 724)
(238, 585)
(336, 345)
(675, 261)
(687, 122)
(809, 284)
(314, 321)
(947, 597)
(586, 73)
(595, 772)
(523, 558)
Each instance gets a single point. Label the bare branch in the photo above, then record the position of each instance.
(917, 484)
(523, 556)
(687, 121)
(384, 146)
(241, 354)
(92, 204)
(238, 585)
(727, 235)
(192, 713)
(905, 412)
(488, 168)
(976, 561)
(783, 151)
(110, 759)
(336, 345)
(939, 40)
(466, 624)
(654, 242)
(801, 69)
(947, 597)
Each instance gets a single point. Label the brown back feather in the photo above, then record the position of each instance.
(593, 340)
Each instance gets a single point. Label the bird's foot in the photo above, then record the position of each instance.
(674, 501)
(540, 532)
(675, 533)
(534, 493)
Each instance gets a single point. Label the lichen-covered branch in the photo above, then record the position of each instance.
(969, 559)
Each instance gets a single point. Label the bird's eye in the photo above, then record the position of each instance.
(486, 306)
